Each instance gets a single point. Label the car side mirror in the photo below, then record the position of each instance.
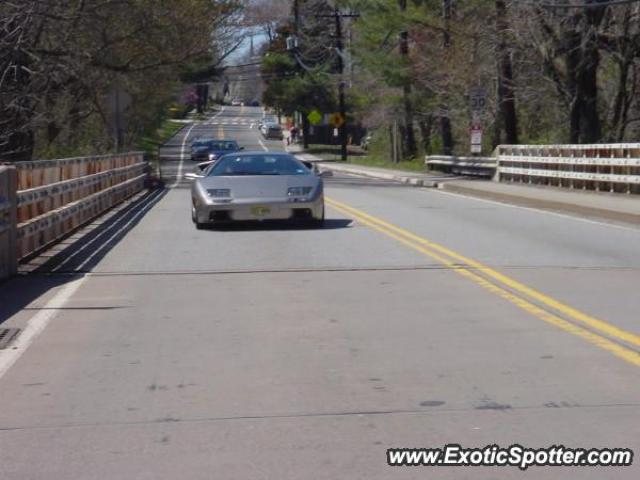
(241, 148)
(204, 165)
(192, 176)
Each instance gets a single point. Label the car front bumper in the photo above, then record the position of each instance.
(260, 210)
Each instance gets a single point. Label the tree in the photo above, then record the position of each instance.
(60, 60)
(301, 80)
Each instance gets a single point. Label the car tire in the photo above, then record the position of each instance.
(318, 222)
(199, 226)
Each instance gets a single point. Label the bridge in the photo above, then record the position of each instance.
(416, 317)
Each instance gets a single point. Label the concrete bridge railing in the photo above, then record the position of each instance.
(599, 167)
(42, 201)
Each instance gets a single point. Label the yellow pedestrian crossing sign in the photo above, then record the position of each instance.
(314, 117)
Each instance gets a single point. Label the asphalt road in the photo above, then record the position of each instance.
(415, 318)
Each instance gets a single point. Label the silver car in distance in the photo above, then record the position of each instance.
(243, 186)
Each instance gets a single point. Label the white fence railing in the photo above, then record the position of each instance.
(599, 167)
(42, 201)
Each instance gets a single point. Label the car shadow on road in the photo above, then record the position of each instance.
(77, 257)
(329, 224)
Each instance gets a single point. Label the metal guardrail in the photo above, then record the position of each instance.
(476, 166)
(599, 167)
(48, 199)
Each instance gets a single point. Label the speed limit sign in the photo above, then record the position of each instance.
(477, 99)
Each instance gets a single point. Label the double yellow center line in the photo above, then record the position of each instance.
(598, 332)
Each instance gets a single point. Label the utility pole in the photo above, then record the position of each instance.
(409, 147)
(342, 129)
(296, 17)
(445, 122)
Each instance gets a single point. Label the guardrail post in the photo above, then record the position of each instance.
(8, 225)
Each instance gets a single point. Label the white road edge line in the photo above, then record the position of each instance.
(180, 165)
(37, 324)
(536, 210)
(184, 143)
(263, 145)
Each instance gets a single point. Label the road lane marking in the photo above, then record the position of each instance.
(37, 324)
(468, 269)
(263, 145)
(181, 164)
(184, 142)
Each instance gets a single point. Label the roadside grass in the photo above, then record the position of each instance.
(358, 156)
(151, 144)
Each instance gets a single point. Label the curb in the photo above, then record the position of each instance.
(407, 180)
(507, 198)
(541, 204)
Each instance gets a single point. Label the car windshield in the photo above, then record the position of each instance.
(217, 146)
(201, 144)
(232, 165)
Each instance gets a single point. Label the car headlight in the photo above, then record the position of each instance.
(299, 191)
(212, 156)
(219, 192)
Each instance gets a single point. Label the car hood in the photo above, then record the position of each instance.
(260, 186)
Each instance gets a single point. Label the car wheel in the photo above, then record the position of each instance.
(318, 222)
(194, 219)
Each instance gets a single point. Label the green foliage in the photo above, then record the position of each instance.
(290, 87)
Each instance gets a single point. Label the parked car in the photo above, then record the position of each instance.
(365, 142)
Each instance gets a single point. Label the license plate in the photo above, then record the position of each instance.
(260, 211)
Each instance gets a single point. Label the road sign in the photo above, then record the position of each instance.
(314, 117)
(477, 99)
(476, 138)
(336, 119)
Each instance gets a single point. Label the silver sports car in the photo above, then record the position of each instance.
(257, 186)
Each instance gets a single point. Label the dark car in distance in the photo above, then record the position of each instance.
(209, 149)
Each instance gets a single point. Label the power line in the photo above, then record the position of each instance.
(244, 65)
(608, 3)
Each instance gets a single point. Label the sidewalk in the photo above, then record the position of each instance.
(601, 205)
(618, 207)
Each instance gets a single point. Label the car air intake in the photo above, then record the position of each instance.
(301, 213)
(219, 215)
